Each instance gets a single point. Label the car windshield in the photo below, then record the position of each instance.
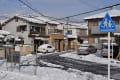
(49, 47)
(84, 46)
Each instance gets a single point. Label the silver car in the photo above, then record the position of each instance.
(86, 49)
(104, 51)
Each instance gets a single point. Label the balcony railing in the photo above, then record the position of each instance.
(35, 32)
(50, 31)
(95, 30)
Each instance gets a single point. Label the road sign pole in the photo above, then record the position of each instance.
(108, 55)
(107, 25)
(112, 48)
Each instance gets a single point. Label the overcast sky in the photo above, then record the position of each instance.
(55, 8)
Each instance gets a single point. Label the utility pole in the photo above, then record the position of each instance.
(67, 23)
(36, 62)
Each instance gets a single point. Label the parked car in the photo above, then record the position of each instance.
(45, 48)
(104, 51)
(86, 49)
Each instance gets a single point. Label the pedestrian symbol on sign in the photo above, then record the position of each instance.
(107, 25)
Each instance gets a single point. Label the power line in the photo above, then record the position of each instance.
(28, 2)
(55, 19)
(95, 10)
(36, 18)
(88, 12)
(30, 7)
(35, 10)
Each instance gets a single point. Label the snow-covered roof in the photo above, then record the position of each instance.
(46, 20)
(79, 25)
(33, 19)
(4, 32)
(112, 13)
(4, 20)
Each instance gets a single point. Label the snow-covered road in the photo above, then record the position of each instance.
(96, 57)
(86, 63)
(51, 71)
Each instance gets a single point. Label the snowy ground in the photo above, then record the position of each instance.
(92, 57)
(44, 73)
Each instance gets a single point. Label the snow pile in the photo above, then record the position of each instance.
(91, 57)
(71, 55)
(87, 75)
(50, 64)
(4, 32)
(1, 36)
(94, 58)
(46, 73)
(6, 75)
(28, 58)
(43, 73)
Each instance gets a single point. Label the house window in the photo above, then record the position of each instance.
(22, 28)
(37, 30)
(42, 30)
(81, 32)
(95, 23)
(69, 32)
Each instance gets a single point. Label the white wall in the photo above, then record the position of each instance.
(74, 29)
(11, 27)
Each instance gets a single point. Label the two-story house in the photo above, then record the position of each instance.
(33, 30)
(76, 32)
(93, 25)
